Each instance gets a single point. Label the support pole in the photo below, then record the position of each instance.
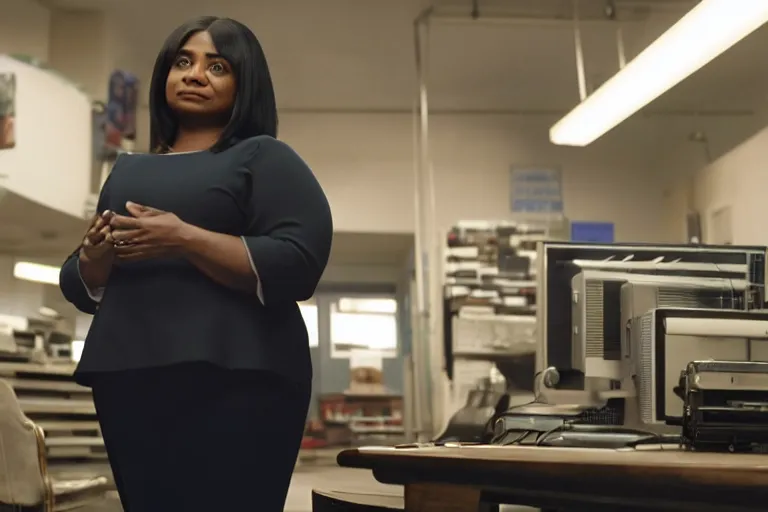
(620, 47)
(580, 72)
(421, 342)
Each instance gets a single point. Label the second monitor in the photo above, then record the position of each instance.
(559, 262)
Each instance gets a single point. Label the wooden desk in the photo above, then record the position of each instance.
(459, 479)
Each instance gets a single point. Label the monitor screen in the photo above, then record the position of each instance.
(559, 262)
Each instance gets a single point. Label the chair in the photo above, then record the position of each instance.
(24, 480)
(351, 501)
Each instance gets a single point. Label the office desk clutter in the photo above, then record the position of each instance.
(725, 405)
(617, 324)
(647, 359)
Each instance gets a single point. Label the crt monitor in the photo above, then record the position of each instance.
(665, 340)
(559, 262)
(599, 322)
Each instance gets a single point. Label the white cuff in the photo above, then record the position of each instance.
(95, 295)
(259, 288)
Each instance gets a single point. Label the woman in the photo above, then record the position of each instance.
(198, 355)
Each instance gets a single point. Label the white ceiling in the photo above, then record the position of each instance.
(359, 54)
(28, 229)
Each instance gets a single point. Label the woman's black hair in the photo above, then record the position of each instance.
(255, 109)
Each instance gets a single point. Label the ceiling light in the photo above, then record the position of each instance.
(27, 271)
(47, 312)
(709, 29)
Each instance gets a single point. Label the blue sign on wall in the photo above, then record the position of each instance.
(596, 232)
(536, 190)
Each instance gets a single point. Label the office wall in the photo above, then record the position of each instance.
(51, 162)
(24, 26)
(365, 162)
(737, 181)
(366, 165)
(725, 170)
(81, 49)
(78, 43)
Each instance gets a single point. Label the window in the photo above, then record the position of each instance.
(77, 350)
(364, 324)
(309, 313)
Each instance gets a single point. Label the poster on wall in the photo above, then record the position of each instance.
(120, 122)
(536, 190)
(7, 110)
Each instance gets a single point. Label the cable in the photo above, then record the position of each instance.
(518, 439)
(660, 439)
(496, 418)
(493, 419)
(543, 437)
(601, 429)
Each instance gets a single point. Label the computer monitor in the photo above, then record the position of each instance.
(665, 340)
(599, 325)
(559, 262)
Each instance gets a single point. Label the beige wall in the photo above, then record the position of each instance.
(24, 27)
(80, 49)
(51, 161)
(366, 165)
(737, 181)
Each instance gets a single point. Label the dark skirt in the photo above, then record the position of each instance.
(195, 437)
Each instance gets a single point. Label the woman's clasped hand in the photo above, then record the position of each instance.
(144, 234)
(98, 244)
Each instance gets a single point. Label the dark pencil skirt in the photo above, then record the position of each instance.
(195, 437)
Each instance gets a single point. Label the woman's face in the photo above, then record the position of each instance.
(201, 82)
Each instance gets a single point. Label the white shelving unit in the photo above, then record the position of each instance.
(490, 287)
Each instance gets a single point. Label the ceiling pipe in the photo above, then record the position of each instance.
(475, 9)
(425, 237)
(453, 13)
(581, 73)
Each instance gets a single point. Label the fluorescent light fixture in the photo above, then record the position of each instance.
(702, 34)
(47, 312)
(27, 271)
